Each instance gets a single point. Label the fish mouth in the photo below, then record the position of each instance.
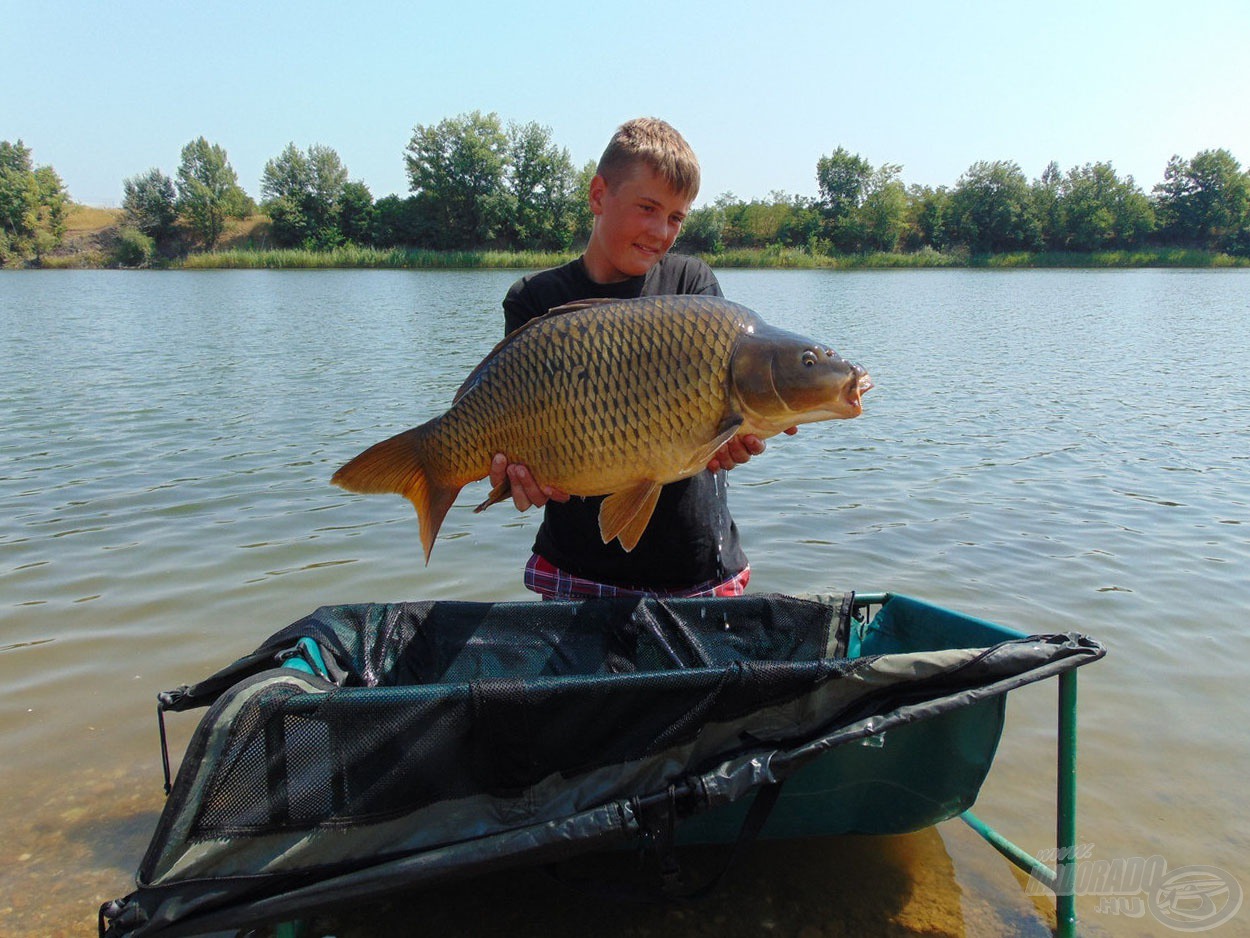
(859, 385)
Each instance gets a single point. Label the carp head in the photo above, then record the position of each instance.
(781, 380)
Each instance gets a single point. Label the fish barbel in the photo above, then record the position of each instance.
(615, 398)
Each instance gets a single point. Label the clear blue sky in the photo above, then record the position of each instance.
(762, 89)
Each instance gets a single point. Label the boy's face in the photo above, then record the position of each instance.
(635, 224)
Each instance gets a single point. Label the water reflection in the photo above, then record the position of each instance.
(898, 886)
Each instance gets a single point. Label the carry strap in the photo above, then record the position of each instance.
(752, 824)
(658, 816)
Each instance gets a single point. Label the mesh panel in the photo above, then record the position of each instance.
(462, 699)
(251, 761)
(355, 755)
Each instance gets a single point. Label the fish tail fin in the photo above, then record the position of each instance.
(399, 465)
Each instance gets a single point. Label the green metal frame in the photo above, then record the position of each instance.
(1059, 879)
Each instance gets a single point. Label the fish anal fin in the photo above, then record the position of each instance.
(398, 465)
(625, 514)
(497, 494)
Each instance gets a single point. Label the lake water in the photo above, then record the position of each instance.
(1054, 450)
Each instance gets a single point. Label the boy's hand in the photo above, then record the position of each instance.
(526, 492)
(739, 450)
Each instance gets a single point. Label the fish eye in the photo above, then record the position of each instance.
(809, 358)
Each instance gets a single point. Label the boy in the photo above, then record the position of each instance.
(643, 188)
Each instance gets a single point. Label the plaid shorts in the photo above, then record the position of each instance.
(550, 582)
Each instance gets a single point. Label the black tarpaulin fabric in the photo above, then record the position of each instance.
(457, 737)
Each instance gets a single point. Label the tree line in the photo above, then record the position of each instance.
(473, 183)
(1203, 202)
(477, 183)
(33, 205)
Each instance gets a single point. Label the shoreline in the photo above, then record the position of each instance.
(364, 258)
(92, 235)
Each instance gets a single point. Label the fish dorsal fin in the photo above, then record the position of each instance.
(554, 311)
(581, 304)
(481, 366)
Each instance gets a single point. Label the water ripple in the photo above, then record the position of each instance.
(1027, 456)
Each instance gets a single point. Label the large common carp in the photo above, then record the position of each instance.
(615, 398)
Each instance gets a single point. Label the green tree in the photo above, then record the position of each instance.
(303, 196)
(33, 204)
(208, 190)
(729, 211)
(19, 193)
(583, 219)
(1098, 210)
(761, 221)
(328, 176)
(1046, 194)
(703, 231)
(843, 179)
(864, 208)
(53, 202)
(1204, 201)
(396, 222)
(883, 214)
(456, 169)
(286, 176)
(150, 204)
(356, 213)
(991, 209)
(541, 187)
(801, 226)
(927, 210)
(133, 248)
(285, 185)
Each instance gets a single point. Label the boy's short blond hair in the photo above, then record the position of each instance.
(656, 143)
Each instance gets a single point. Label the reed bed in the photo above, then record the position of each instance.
(354, 256)
(929, 258)
(774, 257)
(1154, 257)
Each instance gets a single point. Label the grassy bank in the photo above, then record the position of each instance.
(92, 234)
(353, 256)
(928, 258)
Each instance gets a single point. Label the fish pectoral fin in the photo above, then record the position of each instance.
(725, 432)
(625, 514)
(497, 494)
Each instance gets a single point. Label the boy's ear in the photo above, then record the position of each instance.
(598, 188)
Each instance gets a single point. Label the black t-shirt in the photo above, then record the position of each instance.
(691, 538)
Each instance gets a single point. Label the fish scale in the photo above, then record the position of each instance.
(609, 398)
